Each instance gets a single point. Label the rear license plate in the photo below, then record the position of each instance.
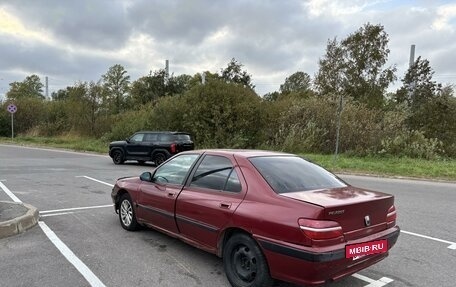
(357, 251)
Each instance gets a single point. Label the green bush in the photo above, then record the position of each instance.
(412, 144)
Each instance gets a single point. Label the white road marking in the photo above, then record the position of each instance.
(364, 278)
(9, 193)
(71, 257)
(373, 283)
(75, 208)
(55, 214)
(99, 181)
(452, 244)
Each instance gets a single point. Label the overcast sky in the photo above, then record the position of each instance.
(71, 41)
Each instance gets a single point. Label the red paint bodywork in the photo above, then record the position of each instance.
(204, 218)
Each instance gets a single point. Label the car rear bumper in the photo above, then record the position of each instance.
(301, 265)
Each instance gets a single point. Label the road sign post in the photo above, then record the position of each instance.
(12, 109)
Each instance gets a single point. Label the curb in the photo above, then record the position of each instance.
(21, 223)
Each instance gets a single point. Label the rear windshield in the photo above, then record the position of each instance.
(290, 173)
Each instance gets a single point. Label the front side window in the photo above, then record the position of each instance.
(137, 138)
(175, 170)
(290, 173)
(216, 172)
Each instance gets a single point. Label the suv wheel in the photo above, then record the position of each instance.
(159, 158)
(117, 157)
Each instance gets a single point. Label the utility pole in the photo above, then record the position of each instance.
(412, 56)
(166, 71)
(47, 88)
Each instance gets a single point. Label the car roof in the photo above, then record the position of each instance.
(246, 153)
(163, 132)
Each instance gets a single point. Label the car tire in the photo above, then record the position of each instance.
(159, 158)
(127, 215)
(117, 157)
(244, 263)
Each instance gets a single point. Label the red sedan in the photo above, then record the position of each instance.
(267, 214)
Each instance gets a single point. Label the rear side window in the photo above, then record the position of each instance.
(150, 137)
(216, 172)
(183, 137)
(290, 173)
(166, 137)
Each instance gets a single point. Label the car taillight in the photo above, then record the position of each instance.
(391, 217)
(173, 148)
(320, 229)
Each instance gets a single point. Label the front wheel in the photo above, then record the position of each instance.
(117, 157)
(127, 214)
(244, 263)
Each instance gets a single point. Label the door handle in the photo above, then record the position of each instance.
(225, 205)
(171, 194)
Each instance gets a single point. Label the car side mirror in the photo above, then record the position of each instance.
(127, 140)
(146, 176)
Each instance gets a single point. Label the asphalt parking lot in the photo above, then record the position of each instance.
(79, 241)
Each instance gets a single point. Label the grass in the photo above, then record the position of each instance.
(444, 169)
(374, 165)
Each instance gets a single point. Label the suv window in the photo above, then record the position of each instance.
(137, 138)
(166, 137)
(183, 137)
(291, 173)
(216, 172)
(150, 137)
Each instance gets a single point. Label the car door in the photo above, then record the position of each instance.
(136, 145)
(208, 201)
(157, 198)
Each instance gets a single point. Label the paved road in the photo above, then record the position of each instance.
(95, 251)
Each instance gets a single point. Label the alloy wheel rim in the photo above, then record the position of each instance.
(126, 212)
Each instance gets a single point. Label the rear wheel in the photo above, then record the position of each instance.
(127, 214)
(244, 263)
(159, 158)
(117, 157)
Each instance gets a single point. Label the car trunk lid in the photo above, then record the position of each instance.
(359, 212)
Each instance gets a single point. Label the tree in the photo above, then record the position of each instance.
(298, 82)
(116, 83)
(418, 86)
(149, 88)
(354, 67)
(233, 73)
(31, 87)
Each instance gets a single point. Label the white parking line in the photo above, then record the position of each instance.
(71, 257)
(452, 244)
(99, 181)
(75, 208)
(373, 283)
(9, 193)
(67, 253)
(56, 214)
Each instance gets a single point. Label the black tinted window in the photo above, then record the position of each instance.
(166, 137)
(289, 174)
(137, 138)
(150, 137)
(183, 137)
(215, 172)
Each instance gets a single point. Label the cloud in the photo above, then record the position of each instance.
(79, 40)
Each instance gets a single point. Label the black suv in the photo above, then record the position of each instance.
(150, 146)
